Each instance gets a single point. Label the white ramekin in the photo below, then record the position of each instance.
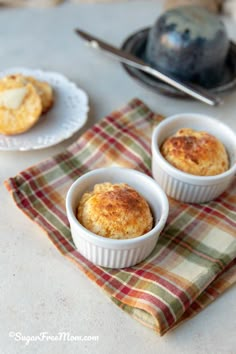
(187, 187)
(109, 252)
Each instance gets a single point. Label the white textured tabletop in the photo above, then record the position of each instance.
(40, 291)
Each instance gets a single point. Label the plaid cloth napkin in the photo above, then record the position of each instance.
(194, 259)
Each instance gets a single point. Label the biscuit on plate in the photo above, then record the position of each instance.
(115, 211)
(195, 152)
(20, 105)
(45, 92)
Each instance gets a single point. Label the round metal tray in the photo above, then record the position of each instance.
(136, 43)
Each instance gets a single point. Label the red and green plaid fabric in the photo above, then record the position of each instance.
(194, 260)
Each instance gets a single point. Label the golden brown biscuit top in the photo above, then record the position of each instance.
(115, 211)
(18, 119)
(22, 101)
(195, 152)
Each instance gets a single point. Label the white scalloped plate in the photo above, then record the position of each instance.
(68, 114)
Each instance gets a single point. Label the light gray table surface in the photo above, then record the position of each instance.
(40, 291)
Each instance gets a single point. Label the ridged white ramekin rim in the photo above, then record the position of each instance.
(112, 245)
(199, 122)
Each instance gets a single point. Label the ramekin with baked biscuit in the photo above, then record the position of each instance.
(121, 214)
(193, 157)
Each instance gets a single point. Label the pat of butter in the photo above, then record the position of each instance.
(12, 98)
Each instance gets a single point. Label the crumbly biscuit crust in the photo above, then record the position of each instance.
(38, 99)
(115, 211)
(16, 121)
(195, 152)
(45, 92)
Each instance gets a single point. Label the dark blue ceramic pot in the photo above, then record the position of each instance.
(189, 43)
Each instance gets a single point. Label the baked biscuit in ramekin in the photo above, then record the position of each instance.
(196, 152)
(109, 252)
(115, 211)
(188, 187)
